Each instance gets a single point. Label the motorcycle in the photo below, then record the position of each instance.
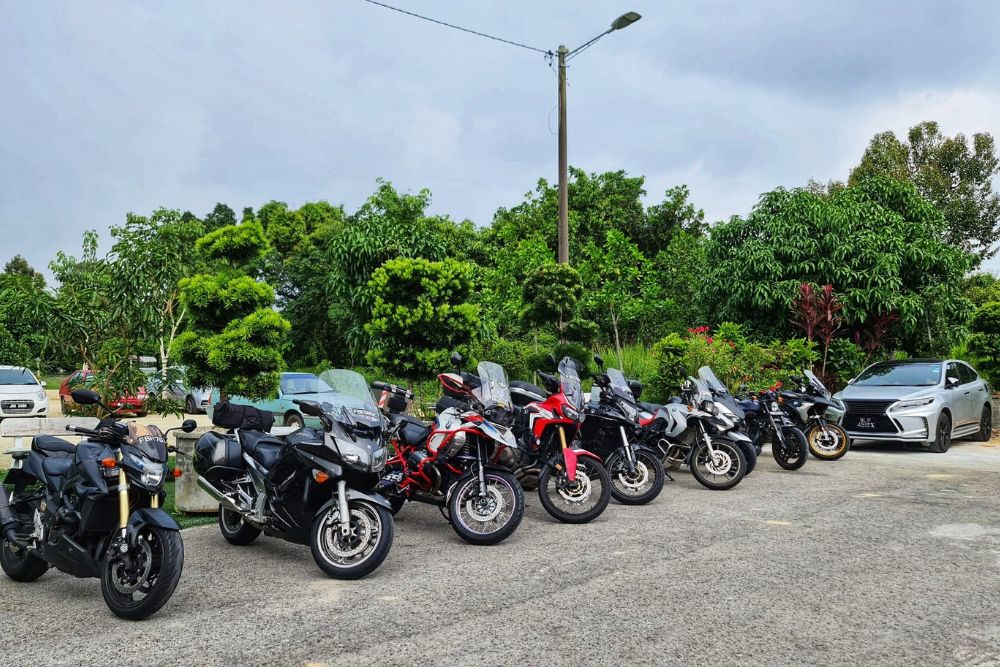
(608, 430)
(94, 510)
(458, 461)
(573, 484)
(730, 408)
(315, 486)
(690, 429)
(813, 410)
(768, 422)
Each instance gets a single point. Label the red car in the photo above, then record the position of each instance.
(134, 404)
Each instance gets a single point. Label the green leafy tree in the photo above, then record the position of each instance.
(421, 314)
(236, 340)
(981, 288)
(551, 298)
(221, 216)
(984, 341)
(878, 243)
(954, 174)
(663, 221)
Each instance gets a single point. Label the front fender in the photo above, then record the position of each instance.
(148, 516)
(570, 456)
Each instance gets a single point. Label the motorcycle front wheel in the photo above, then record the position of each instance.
(828, 442)
(136, 584)
(359, 551)
(581, 500)
(486, 519)
(793, 453)
(721, 468)
(640, 486)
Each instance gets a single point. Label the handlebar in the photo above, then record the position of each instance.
(81, 430)
(395, 389)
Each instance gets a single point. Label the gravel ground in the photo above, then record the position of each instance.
(886, 556)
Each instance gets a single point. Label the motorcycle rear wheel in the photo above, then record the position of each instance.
(821, 448)
(21, 566)
(641, 487)
(161, 553)
(794, 453)
(490, 520)
(559, 496)
(235, 529)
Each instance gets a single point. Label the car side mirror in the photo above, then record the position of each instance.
(43, 383)
(599, 360)
(189, 425)
(851, 381)
(951, 382)
(85, 397)
(456, 359)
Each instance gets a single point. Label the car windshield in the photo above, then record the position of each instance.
(16, 376)
(494, 390)
(294, 384)
(570, 379)
(921, 374)
(817, 383)
(346, 393)
(620, 385)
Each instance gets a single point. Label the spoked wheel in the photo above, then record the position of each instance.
(235, 529)
(641, 485)
(580, 500)
(828, 442)
(137, 583)
(489, 518)
(361, 549)
(721, 468)
(792, 454)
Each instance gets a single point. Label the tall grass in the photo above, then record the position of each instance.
(637, 361)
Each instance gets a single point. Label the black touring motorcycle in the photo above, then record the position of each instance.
(609, 426)
(314, 486)
(94, 510)
(767, 421)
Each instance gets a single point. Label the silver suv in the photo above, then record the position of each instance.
(918, 400)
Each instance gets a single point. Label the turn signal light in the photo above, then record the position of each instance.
(109, 462)
(177, 472)
(320, 476)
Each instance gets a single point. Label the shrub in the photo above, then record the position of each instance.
(984, 342)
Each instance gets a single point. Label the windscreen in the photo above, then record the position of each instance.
(494, 390)
(817, 384)
(16, 376)
(620, 385)
(701, 391)
(569, 376)
(347, 390)
(719, 391)
(921, 374)
(297, 384)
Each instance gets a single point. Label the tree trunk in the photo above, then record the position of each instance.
(618, 344)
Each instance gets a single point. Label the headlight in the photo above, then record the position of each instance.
(378, 461)
(709, 407)
(915, 403)
(840, 404)
(570, 413)
(629, 411)
(41, 395)
(152, 472)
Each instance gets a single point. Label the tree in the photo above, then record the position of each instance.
(817, 313)
(18, 267)
(421, 314)
(984, 341)
(236, 340)
(951, 173)
(552, 298)
(662, 222)
(221, 216)
(981, 288)
(878, 243)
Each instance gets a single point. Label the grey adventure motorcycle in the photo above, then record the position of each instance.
(94, 510)
(314, 486)
(813, 409)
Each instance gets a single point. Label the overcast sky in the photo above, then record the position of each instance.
(109, 107)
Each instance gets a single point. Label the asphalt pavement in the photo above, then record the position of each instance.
(886, 557)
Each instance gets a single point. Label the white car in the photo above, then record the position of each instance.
(21, 394)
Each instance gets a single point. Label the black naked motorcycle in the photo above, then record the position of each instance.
(94, 510)
(609, 430)
(314, 486)
(813, 410)
(766, 421)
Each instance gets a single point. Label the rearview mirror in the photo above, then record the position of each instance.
(189, 425)
(550, 361)
(85, 397)
(951, 382)
(456, 359)
(636, 388)
(599, 360)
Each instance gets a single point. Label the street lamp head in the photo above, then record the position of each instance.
(625, 20)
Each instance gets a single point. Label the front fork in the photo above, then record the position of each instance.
(630, 460)
(343, 510)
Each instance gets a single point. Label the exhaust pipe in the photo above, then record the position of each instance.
(219, 495)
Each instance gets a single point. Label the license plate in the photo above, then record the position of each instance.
(866, 423)
(18, 406)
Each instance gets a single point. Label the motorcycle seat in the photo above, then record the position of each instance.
(412, 431)
(53, 446)
(444, 403)
(649, 407)
(263, 447)
(523, 393)
(57, 467)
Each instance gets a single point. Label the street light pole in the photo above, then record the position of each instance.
(623, 21)
(563, 253)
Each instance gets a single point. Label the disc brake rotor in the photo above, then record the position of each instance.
(127, 579)
(341, 546)
(579, 490)
(635, 480)
(719, 463)
(485, 509)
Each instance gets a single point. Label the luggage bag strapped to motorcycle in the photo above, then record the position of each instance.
(243, 417)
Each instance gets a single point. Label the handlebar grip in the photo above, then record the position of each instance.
(378, 384)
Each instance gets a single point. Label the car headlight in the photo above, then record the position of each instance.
(915, 403)
(41, 395)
